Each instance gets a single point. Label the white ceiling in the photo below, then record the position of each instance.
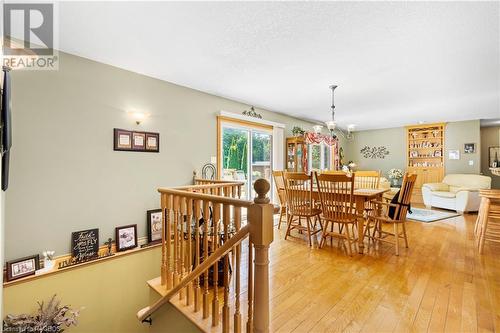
(396, 63)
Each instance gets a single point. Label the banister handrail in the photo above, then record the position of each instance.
(207, 197)
(207, 186)
(218, 181)
(214, 257)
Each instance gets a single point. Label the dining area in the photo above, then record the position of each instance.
(352, 207)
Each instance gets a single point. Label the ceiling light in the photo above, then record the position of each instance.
(332, 124)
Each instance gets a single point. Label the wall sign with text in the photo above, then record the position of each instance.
(125, 140)
(85, 244)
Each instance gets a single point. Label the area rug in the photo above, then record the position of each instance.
(427, 215)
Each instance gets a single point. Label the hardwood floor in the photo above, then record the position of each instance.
(438, 284)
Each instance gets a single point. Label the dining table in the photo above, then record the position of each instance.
(361, 196)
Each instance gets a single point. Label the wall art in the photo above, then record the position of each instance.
(125, 140)
(374, 152)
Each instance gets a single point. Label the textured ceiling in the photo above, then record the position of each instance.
(396, 63)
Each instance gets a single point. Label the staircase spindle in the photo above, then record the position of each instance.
(250, 288)
(176, 240)
(225, 308)
(206, 218)
(168, 243)
(197, 290)
(215, 274)
(163, 239)
(189, 248)
(182, 263)
(237, 314)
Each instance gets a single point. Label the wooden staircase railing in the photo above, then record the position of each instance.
(186, 269)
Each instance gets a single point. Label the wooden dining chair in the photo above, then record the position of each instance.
(300, 204)
(279, 181)
(337, 203)
(367, 179)
(487, 226)
(392, 213)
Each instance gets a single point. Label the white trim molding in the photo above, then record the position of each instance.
(255, 120)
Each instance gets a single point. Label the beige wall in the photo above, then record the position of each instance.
(457, 133)
(490, 137)
(65, 175)
(111, 293)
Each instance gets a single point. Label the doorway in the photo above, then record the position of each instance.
(245, 153)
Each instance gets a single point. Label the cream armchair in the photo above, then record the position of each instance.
(459, 192)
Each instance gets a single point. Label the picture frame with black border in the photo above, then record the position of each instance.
(139, 141)
(122, 139)
(153, 142)
(154, 225)
(469, 148)
(126, 237)
(22, 267)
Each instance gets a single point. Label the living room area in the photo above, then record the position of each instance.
(250, 166)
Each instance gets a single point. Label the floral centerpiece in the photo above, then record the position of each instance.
(395, 175)
(50, 318)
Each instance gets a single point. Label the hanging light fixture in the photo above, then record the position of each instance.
(332, 124)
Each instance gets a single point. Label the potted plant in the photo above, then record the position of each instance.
(297, 131)
(49, 318)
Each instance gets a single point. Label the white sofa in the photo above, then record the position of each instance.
(459, 192)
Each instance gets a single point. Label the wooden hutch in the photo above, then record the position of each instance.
(295, 148)
(425, 155)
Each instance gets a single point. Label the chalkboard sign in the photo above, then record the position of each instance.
(85, 244)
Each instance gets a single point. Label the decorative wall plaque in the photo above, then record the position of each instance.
(85, 244)
(374, 152)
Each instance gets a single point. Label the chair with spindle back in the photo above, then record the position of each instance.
(300, 204)
(367, 179)
(337, 204)
(280, 189)
(394, 213)
(487, 226)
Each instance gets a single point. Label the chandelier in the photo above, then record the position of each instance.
(332, 124)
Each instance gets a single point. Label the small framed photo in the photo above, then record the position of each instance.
(454, 154)
(19, 268)
(122, 139)
(126, 237)
(138, 141)
(153, 142)
(154, 220)
(469, 148)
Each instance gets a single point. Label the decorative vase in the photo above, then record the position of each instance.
(48, 264)
(395, 182)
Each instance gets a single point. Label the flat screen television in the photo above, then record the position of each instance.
(6, 127)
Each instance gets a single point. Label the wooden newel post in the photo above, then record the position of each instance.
(260, 217)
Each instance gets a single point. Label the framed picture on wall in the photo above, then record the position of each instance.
(153, 142)
(469, 148)
(154, 221)
(19, 268)
(126, 237)
(138, 141)
(122, 139)
(454, 154)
